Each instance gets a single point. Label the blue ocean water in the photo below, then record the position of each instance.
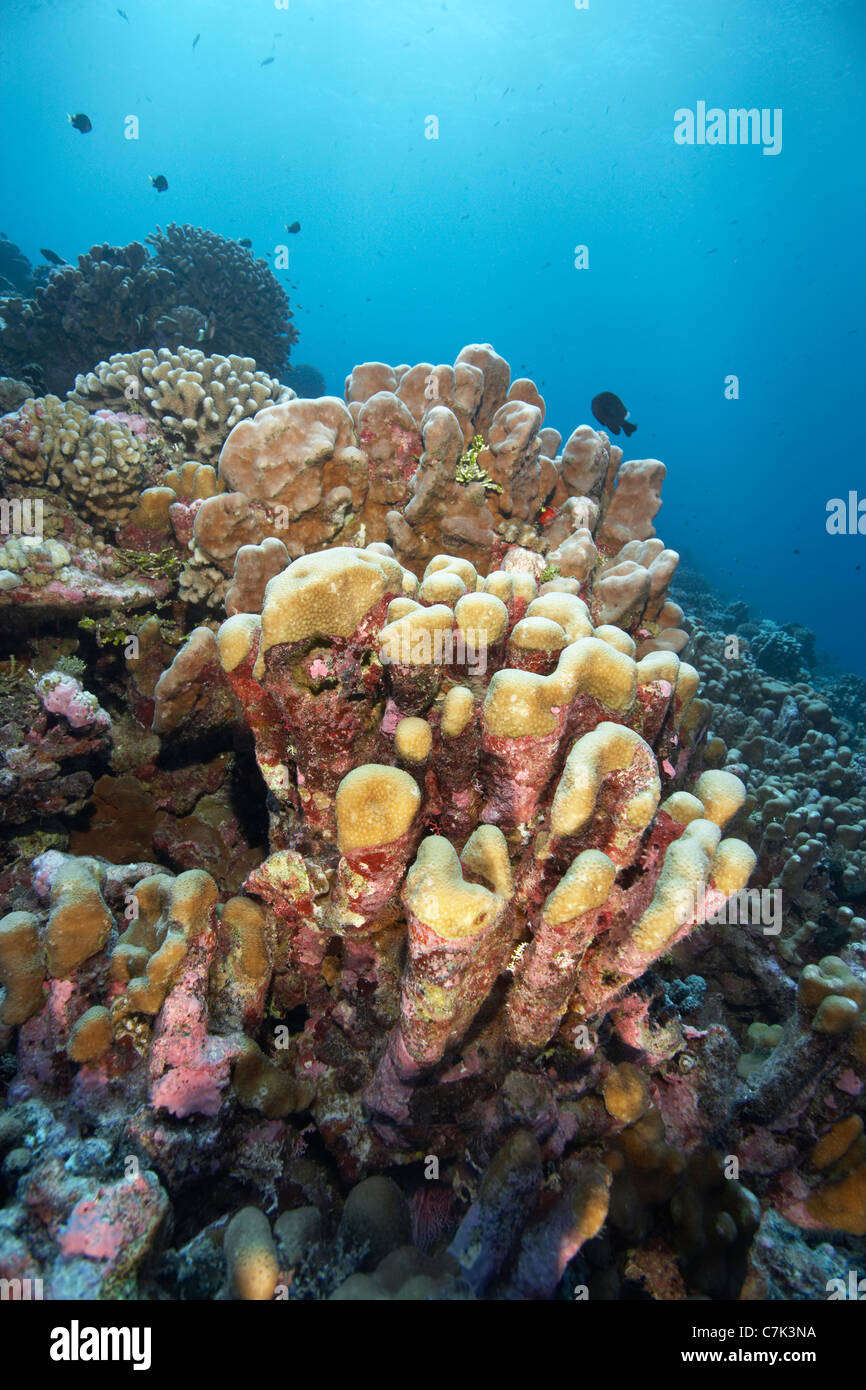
(555, 130)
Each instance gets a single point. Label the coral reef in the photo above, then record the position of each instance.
(391, 911)
(16, 272)
(117, 299)
(106, 303)
(193, 397)
(237, 292)
(97, 463)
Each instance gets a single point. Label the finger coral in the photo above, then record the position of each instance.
(196, 397)
(574, 879)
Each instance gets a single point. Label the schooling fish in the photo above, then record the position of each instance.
(52, 256)
(245, 241)
(81, 122)
(295, 227)
(609, 410)
(265, 63)
(160, 183)
(195, 40)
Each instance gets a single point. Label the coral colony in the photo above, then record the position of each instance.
(403, 897)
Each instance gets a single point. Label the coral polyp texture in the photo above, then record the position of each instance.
(384, 909)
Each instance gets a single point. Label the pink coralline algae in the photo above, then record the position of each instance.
(63, 694)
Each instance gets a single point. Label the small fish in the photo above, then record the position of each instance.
(295, 227)
(160, 182)
(265, 63)
(547, 516)
(81, 122)
(609, 410)
(195, 40)
(205, 334)
(245, 241)
(123, 15)
(795, 552)
(52, 256)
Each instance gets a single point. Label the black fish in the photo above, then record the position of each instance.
(81, 122)
(52, 256)
(245, 241)
(295, 227)
(195, 40)
(265, 63)
(123, 15)
(609, 410)
(160, 183)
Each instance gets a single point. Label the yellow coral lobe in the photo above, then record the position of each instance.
(684, 873)
(683, 808)
(22, 968)
(235, 639)
(394, 572)
(80, 922)
(569, 611)
(625, 1093)
(375, 804)
(523, 586)
(518, 705)
(90, 1036)
(607, 748)
(658, 666)
(151, 514)
(413, 740)
(616, 638)
(399, 607)
(442, 587)
(688, 681)
(732, 866)
(830, 976)
(455, 565)
(482, 614)
(537, 635)
(836, 1142)
(498, 583)
(486, 855)
(457, 709)
(244, 921)
(413, 639)
(836, 1014)
(438, 895)
(251, 1256)
(326, 594)
(722, 794)
(585, 885)
(591, 667)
